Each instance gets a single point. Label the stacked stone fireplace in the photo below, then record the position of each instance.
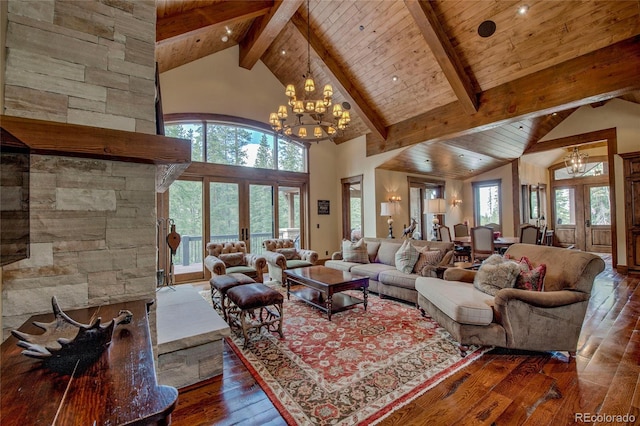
(93, 221)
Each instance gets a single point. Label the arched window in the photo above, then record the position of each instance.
(222, 139)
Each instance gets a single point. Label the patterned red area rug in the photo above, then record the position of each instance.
(355, 369)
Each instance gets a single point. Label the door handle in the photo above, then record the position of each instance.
(587, 223)
(242, 234)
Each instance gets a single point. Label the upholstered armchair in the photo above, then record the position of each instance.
(232, 257)
(282, 254)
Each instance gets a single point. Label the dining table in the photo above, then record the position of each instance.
(498, 242)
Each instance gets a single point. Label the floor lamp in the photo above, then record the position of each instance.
(436, 206)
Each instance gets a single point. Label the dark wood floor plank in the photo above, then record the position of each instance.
(502, 387)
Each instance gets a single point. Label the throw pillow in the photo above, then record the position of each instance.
(530, 278)
(232, 259)
(426, 257)
(355, 252)
(496, 273)
(372, 249)
(289, 253)
(406, 257)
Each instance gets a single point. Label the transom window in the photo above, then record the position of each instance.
(239, 145)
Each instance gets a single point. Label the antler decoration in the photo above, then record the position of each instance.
(65, 341)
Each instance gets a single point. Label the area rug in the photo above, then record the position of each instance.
(355, 369)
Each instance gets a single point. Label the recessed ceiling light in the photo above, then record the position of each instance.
(225, 38)
(394, 78)
(522, 10)
(554, 113)
(461, 155)
(361, 27)
(283, 52)
(228, 30)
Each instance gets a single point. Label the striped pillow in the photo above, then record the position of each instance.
(355, 252)
(427, 257)
(406, 257)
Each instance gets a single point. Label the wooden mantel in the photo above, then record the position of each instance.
(171, 155)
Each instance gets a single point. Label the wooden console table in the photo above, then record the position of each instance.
(119, 388)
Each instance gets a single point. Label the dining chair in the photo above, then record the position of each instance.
(529, 234)
(482, 245)
(444, 234)
(460, 230)
(543, 237)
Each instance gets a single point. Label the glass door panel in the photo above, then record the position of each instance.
(185, 208)
(598, 219)
(289, 213)
(260, 217)
(224, 211)
(355, 211)
(565, 217)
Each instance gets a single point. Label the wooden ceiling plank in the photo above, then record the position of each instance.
(264, 30)
(192, 21)
(438, 41)
(599, 75)
(344, 83)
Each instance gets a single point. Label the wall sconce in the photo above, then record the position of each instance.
(456, 202)
(395, 199)
(389, 209)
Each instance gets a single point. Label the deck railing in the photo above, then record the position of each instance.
(191, 249)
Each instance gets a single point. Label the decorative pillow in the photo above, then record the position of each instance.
(289, 253)
(372, 249)
(496, 273)
(387, 253)
(232, 259)
(427, 257)
(406, 257)
(530, 278)
(355, 252)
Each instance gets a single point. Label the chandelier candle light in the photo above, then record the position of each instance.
(317, 118)
(576, 162)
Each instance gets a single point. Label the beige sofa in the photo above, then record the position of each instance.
(547, 320)
(384, 278)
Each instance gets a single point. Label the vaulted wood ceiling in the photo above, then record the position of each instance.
(462, 104)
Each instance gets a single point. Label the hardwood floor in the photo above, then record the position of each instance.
(502, 388)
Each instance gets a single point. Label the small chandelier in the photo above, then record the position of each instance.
(576, 162)
(316, 117)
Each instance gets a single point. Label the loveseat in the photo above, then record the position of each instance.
(546, 320)
(282, 254)
(232, 257)
(379, 264)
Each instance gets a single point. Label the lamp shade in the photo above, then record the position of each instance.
(436, 206)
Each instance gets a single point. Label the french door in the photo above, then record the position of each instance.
(582, 217)
(219, 210)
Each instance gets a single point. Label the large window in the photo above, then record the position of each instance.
(214, 200)
(487, 203)
(239, 144)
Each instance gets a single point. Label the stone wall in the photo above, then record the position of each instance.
(93, 237)
(82, 62)
(93, 232)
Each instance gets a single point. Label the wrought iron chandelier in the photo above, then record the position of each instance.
(316, 117)
(576, 162)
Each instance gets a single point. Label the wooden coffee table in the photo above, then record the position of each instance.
(323, 287)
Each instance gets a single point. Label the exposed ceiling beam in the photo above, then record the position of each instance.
(264, 30)
(192, 21)
(343, 82)
(438, 41)
(599, 75)
(600, 135)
